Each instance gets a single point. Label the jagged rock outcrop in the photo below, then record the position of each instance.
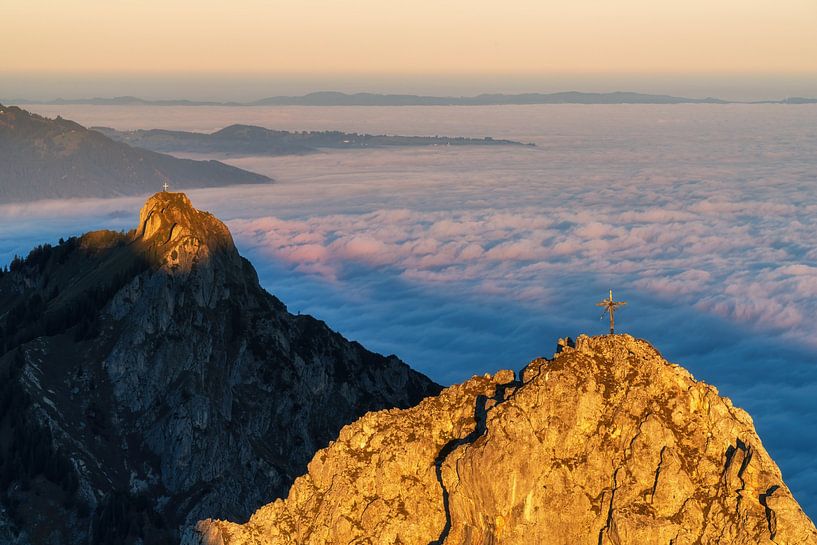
(607, 443)
(147, 381)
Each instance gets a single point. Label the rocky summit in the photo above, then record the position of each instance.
(605, 443)
(147, 381)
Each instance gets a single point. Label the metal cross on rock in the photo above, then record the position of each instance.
(610, 306)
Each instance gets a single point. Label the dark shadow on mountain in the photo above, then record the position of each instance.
(150, 382)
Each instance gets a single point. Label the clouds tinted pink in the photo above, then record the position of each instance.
(712, 205)
(467, 260)
(712, 259)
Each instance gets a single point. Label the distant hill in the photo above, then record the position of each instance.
(333, 98)
(252, 140)
(570, 97)
(56, 158)
(130, 101)
(799, 100)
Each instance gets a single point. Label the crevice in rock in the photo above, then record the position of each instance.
(771, 516)
(657, 472)
(610, 524)
(521, 374)
(747, 453)
(170, 234)
(480, 419)
(641, 422)
(145, 224)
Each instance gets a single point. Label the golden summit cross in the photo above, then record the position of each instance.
(610, 306)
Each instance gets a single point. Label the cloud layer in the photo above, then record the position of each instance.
(468, 260)
(727, 261)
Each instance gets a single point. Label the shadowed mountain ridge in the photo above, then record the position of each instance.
(149, 381)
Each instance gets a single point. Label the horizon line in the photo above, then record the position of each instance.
(500, 98)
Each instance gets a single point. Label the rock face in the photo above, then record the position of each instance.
(57, 158)
(607, 443)
(148, 382)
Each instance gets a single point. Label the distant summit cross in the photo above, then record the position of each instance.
(610, 307)
(165, 186)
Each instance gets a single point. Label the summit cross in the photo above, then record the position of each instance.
(610, 307)
(165, 186)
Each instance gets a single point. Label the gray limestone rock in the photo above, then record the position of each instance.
(166, 384)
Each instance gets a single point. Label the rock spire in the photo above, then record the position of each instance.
(179, 235)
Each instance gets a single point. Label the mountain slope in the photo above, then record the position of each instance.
(607, 443)
(56, 158)
(149, 382)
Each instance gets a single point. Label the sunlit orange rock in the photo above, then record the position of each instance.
(607, 443)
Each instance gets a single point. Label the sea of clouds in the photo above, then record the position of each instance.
(468, 260)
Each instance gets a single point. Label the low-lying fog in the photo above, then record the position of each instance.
(468, 260)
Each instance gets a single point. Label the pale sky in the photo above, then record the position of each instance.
(305, 38)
